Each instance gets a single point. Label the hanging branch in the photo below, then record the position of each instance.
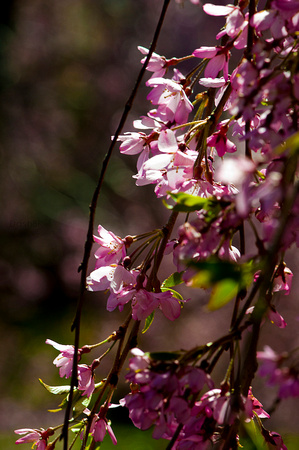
(92, 208)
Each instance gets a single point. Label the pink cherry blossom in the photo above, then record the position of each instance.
(65, 359)
(220, 142)
(269, 361)
(273, 439)
(257, 407)
(111, 250)
(157, 63)
(218, 56)
(99, 427)
(276, 318)
(173, 103)
(38, 437)
(132, 142)
(286, 378)
(144, 303)
(114, 277)
(283, 281)
(234, 17)
(85, 380)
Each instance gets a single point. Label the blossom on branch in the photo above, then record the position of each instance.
(85, 379)
(99, 427)
(173, 103)
(65, 359)
(38, 437)
(220, 141)
(111, 250)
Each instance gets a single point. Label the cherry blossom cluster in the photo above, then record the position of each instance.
(167, 395)
(127, 285)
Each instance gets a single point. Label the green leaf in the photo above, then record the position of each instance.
(148, 322)
(187, 202)
(253, 436)
(77, 396)
(174, 293)
(56, 390)
(225, 278)
(86, 401)
(291, 144)
(214, 270)
(172, 280)
(223, 292)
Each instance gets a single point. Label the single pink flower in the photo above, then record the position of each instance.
(234, 17)
(157, 63)
(273, 439)
(169, 305)
(283, 281)
(114, 277)
(257, 407)
(272, 315)
(99, 428)
(112, 248)
(143, 304)
(38, 437)
(173, 103)
(85, 380)
(269, 361)
(276, 318)
(132, 142)
(65, 359)
(218, 56)
(220, 141)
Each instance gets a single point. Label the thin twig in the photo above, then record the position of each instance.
(250, 363)
(89, 239)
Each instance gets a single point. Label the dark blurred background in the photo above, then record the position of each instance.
(67, 68)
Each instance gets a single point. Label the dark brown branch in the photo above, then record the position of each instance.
(89, 239)
(250, 363)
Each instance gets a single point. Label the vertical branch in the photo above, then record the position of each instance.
(89, 239)
(250, 363)
(248, 55)
(250, 36)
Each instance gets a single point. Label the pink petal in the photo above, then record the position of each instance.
(205, 52)
(276, 318)
(60, 347)
(214, 66)
(111, 434)
(158, 162)
(167, 141)
(263, 20)
(234, 22)
(31, 437)
(170, 307)
(217, 10)
(212, 82)
(99, 430)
